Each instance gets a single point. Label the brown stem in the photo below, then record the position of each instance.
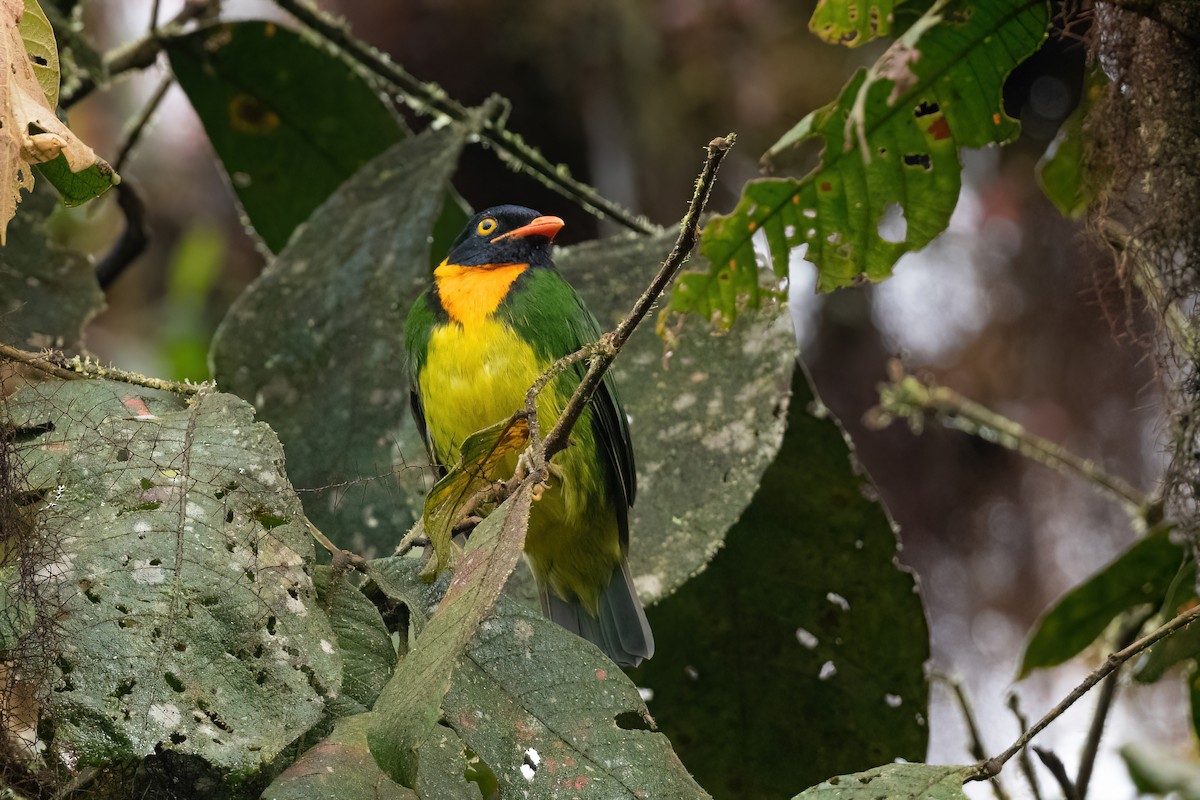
(53, 362)
(991, 767)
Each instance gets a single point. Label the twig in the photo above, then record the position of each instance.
(429, 98)
(143, 52)
(1026, 764)
(143, 119)
(344, 557)
(1059, 771)
(133, 239)
(55, 363)
(610, 344)
(1108, 692)
(975, 739)
(1146, 278)
(909, 397)
(991, 767)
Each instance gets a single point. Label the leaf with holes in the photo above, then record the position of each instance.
(894, 782)
(744, 651)
(409, 707)
(889, 175)
(851, 22)
(189, 626)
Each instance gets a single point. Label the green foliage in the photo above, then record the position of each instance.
(810, 633)
(1142, 574)
(38, 36)
(894, 782)
(890, 147)
(289, 119)
(76, 188)
(851, 22)
(1063, 171)
(1158, 773)
(362, 637)
(194, 268)
(47, 292)
(185, 624)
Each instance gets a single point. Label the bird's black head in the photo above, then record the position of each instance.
(505, 235)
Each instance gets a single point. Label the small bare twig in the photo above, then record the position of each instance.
(992, 767)
(429, 98)
(1108, 693)
(1059, 771)
(57, 364)
(1026, 764)
(909, 397)
(340, 557)
(134, 134)
(975, 739)
(132, 241)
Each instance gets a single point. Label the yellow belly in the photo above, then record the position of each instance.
(476, 375)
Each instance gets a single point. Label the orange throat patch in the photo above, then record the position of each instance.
(471, 294)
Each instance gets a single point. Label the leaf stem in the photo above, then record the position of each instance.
(429, 98)
(975, 739)
(992, 766)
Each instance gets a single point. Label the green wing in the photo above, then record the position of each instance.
(417, 329)
(540, 303)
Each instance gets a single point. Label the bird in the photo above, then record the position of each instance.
(497, 314)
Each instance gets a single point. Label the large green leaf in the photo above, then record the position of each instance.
(1142, 574)
(852, 23)
(289, 119)
(316, 343)
(47, 293)
(894, 782)
(38, 36)
(802, 636)
(890, 149)
(362, 637)
(410, 704)
(189, 627)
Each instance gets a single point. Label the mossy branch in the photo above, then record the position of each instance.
(912, 398)
(58, 365)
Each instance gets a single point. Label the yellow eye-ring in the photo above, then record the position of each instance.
(486, 226)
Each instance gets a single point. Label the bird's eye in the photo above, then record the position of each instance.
(486, 226)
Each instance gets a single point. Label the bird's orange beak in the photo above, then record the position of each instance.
(541, 226)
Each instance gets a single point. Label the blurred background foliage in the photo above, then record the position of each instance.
(1012, 306)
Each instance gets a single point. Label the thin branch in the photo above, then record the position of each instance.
(340, 557)
(909, 397)
(1026, 764)
(610, 344)
(429, 98)
(143, 52)
(143, 119)
(57, 364)
(1108, 693)
(975, 739)
(1059, 771)
(991, 767)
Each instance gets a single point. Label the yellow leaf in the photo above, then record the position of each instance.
(30, 132)
(38, 35)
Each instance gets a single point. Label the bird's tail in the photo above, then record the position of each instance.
(621, 630)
